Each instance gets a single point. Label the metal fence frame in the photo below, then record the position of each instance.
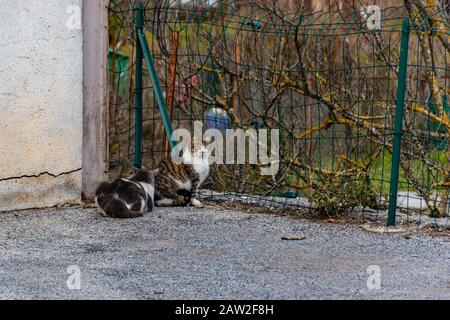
(143, 53)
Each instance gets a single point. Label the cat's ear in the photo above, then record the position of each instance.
(133, 170)
(195, 144)
(186, 158)
(186, 151)
(207, 140)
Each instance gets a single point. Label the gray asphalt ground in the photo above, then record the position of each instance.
(211, 253)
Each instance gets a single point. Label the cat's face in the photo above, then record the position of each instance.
(201, 152)
(196, 152)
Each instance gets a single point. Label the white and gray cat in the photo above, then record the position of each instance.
(127, 198)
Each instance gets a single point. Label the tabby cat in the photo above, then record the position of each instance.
(177, 184)
(127, 198)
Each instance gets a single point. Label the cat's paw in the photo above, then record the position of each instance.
(196, 203)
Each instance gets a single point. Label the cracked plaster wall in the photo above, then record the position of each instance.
(41, 105)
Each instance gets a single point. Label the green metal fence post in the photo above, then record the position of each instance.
(156, 87)
(398, 130)
(138, 89)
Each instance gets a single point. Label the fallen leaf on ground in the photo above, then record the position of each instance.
(293, 238)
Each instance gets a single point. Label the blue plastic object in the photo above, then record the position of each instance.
(217, 118)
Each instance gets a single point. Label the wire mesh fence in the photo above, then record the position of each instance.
(325, 74)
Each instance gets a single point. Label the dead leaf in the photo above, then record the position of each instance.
(293, 238)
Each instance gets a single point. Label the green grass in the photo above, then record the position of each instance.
(380, 171)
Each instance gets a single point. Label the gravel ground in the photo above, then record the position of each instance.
(211, 253)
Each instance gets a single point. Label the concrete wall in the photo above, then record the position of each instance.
(41, 104)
